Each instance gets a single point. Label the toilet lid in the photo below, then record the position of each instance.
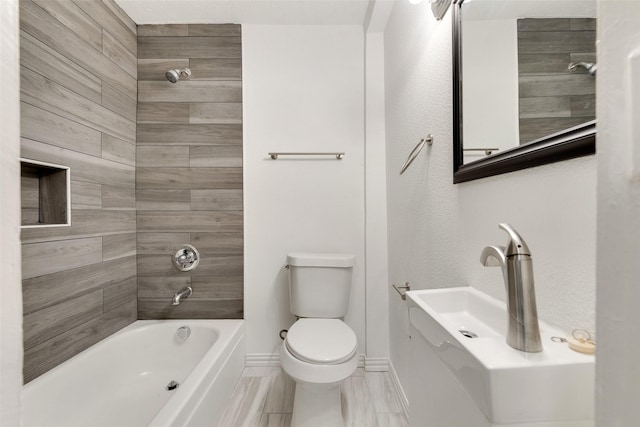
(322, 341)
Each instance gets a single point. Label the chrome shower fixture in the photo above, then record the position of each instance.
(591, 67)
(174, 75)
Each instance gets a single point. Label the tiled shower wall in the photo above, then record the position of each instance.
(189, 170)
(78, 91)
(551, 97)
(78, 94)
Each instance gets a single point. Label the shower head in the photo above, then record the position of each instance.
(174, 75)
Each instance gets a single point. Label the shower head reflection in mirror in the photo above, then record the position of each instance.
(174, 75)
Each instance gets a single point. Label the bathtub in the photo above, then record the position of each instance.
(122, 381)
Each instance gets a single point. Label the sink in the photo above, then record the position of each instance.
(467, 330)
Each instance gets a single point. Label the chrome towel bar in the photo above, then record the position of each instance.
(275, 156)
(487, 151)
(416, 150)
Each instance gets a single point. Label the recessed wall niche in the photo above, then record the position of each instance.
(45, 191)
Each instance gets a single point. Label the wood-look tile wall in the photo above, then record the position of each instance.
(78, 94)
(552, 98)
(189, 170)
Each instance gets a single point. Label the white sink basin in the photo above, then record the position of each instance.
(508, 385)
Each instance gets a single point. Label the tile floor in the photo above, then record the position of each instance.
(264, 398)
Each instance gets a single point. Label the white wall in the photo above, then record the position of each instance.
(490, 72)
(437, 230)
(10, 285)
(617, 369)
(303, 91)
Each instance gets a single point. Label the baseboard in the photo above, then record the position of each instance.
(273, 359)
(399, 390)
(262, 360)
(376, 364)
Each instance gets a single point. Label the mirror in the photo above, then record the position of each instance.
(524, 84)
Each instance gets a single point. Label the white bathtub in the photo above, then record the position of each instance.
(122, 380)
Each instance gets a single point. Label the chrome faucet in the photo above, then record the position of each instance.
(517, 268)
(181, 294)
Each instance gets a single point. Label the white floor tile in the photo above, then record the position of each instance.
(357, 404)
(391, 420)
(382, 392)
(275, 420)
(281, 393)
(247, 403)
(258, 371)
(264, 398)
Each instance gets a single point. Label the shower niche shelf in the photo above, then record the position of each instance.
(45, 191)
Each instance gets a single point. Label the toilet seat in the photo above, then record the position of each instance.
(321, 341)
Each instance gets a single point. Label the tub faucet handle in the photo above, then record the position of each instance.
(186, 258)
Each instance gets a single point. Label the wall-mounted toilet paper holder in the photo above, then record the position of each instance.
(406, 287)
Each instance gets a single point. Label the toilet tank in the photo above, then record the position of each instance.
(320, 284)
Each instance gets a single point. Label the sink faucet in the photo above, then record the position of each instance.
(181, 294)
(517, 268)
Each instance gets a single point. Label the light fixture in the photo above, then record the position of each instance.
(438, 7)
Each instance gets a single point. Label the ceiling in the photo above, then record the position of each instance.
(260, 12)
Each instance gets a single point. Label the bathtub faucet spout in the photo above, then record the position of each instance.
(181, 294)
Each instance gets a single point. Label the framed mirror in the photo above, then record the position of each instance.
(523, 84)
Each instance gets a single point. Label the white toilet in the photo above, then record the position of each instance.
(320, 350)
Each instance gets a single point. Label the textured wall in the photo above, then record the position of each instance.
(78, 94)
(437, 230)
(189, 170)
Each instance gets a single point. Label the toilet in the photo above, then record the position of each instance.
(320, 350)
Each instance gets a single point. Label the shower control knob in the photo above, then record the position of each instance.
(186, 258)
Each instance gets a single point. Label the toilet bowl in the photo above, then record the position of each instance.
(320, 350)
(319, 354)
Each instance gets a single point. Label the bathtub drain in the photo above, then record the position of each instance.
(183, 333)
(172, 385)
